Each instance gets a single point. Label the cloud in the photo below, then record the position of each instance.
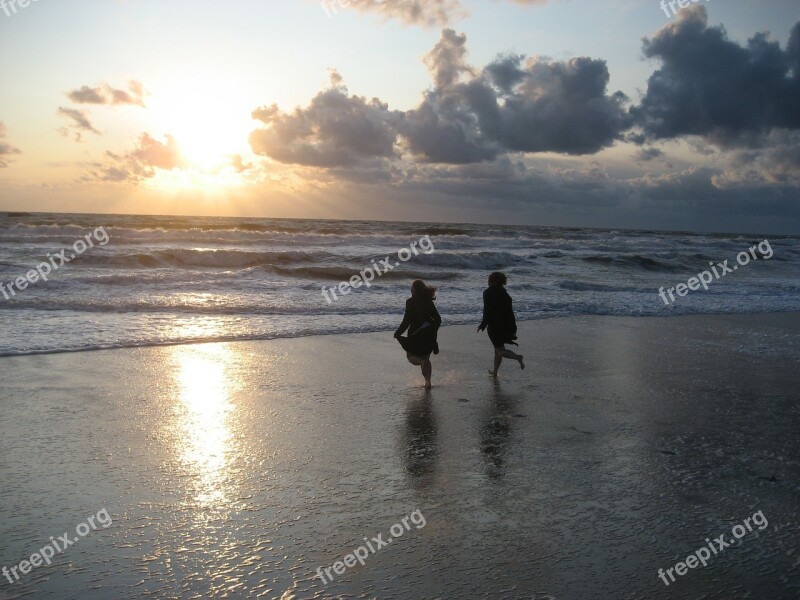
(427, 13)
(443, 128)
(238, 164)
(648, 154)
(79, 122)
(6, 149)
(514, 105)
(588, 194)
(140, 163)
(414, 12)
(336, 130)
(107, 95)
(102, 94)
(712, 87)
(153, 153)
(777, 162)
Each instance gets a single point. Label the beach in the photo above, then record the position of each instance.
(259, 268)
(240, 469)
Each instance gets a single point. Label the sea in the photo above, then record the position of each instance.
(160, 280)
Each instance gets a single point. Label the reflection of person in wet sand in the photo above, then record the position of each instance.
(495, 434)
(422, 321)
(420, 444)
(498, 316)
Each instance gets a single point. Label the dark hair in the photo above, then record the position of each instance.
(497, 278)
(420, 291)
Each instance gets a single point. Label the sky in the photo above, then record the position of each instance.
(585, 113)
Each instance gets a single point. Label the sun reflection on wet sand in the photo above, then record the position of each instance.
(204, 409)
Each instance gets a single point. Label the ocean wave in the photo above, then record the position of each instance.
(200, 258)
(582, 286)
(344, 274)
(636, 260)
(314, 262)
(480, 261)
(191, 306)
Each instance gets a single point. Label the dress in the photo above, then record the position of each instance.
(498, 315)
(422, 321)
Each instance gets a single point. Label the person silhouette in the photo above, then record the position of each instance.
(422, 321)
(498, 316)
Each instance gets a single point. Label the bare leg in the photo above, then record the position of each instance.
(414, 359)
(500, 353)
(425, 364)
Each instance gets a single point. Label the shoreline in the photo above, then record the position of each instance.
(145, 345)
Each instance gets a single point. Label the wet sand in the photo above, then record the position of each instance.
(236, 470)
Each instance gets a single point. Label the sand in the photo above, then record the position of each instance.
(236, 470)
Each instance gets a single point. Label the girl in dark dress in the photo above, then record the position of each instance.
(498, 316)
(422, 321)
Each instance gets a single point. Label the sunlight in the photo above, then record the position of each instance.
(217, 181)
(204, 386)
(207, 117)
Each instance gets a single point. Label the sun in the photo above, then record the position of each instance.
(208, 118)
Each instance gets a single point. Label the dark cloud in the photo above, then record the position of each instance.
(105, 94)
(700, 199)
(694, 199)
(336, 130)
(443, 128)
(440, 131)
(6, 149)
(447, 61)
(471, 144)
(712, 87)
(514, 105)
(652, 155)
(551, 107)
(512, 183)
(648, 154)
(776, 162)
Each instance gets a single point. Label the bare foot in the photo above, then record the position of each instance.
(428, 385)
(521, 363)
(492, 373)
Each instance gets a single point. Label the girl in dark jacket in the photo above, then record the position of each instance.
(422, 321)
(498, 316)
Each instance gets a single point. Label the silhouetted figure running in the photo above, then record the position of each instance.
(498, 315)
(422, 321)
